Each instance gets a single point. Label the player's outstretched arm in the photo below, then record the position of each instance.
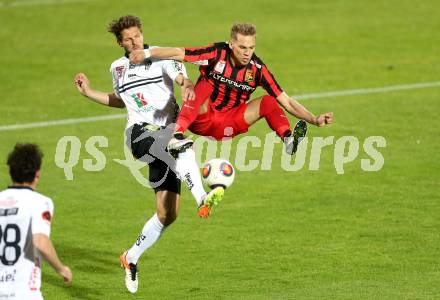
(138, 56)
(43, 243)
(299, 111)
(82, 83)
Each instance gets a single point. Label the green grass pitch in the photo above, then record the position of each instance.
(277, 234)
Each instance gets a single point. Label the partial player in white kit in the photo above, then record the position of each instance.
(146, 90)
(25, 220)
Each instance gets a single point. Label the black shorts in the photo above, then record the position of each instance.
(149, 146)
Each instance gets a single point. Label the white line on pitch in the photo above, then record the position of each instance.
(62, 122)
(349, 92)
(364, 91)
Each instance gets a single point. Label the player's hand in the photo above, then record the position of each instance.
(324, 119)
(66, 273)
(188, 92)
(137, 56)
(82, 83)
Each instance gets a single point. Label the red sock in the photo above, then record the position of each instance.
(190, 108)
(274, 115)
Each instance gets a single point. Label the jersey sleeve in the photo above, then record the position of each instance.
(42, 216)
(269, 83)
(201, 55)
(173, 68)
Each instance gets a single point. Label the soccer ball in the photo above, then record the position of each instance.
(218, 172)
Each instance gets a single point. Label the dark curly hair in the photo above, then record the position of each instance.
(24, 162)
(124, 22)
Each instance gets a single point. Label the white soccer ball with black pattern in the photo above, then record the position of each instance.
(218, 172)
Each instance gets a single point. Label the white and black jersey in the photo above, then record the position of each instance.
(147, 89)
(23, 213)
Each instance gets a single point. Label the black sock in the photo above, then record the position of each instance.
(179, 136)
(287, 133)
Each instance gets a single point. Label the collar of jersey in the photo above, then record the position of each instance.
(20, 187)
(145, 47)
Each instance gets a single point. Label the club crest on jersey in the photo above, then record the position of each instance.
(119, 71)
(46, 216)
(220, 66)
(249, 76)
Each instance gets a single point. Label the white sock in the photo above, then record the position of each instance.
(150, 234)
(188, 171)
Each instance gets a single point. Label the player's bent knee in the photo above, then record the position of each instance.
(167, 217)
(268, 101)
(267, 105)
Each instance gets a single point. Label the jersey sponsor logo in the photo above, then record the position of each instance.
(139, 99)
(8, 202)
(8, 212)
(119, 70)
(256, 64)
(232, 83)
(147, 63)
(142, 103)
(8, 276)
(220, 66)
(46, 216)
(35, 276)
(249, 76)
(203, 62)
(132, 75)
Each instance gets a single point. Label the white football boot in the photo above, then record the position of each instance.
(131, 273)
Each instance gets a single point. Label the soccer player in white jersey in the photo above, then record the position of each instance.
(25, 219)
(146, 91)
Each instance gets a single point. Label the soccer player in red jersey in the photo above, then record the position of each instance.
(229, 74)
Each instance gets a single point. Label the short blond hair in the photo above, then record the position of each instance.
(245, 29)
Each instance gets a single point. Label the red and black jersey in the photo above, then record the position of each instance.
(232, 85)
